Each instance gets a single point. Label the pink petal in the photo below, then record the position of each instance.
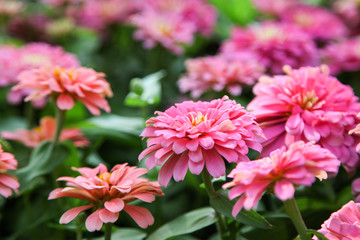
(106, 216)
(65, 102)
(69, 215)
(214, 163)
(196, 156)
(167, 170)
(114, 205)
(207, 142)
(284, 190)
(93, 222)
(229, 154)
(141, 215)
(181, 168)
(196, 167)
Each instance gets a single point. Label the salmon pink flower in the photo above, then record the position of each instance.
(66, 86)
(343, 224)
(300, 164)
(46, 131)
(274, 45)
(319, 22)
(108, 193)
(218, 73)
(8, 183)
(193, 134)
(307, 104)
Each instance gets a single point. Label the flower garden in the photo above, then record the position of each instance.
(180, 119)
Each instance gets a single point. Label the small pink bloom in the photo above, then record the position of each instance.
(307, 104)
(343, 224)
(320, 23)
(218, 73)
(191, 134)
(46, 131)
(67, 86)
(274, 45)
(108, 193)
(342, 56)
(8, 183)
(300, 164)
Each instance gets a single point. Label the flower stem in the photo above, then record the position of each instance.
(60, 120)
(108, 228)
(221, 221)
(295, 216)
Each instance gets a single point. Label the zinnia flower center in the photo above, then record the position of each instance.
(268, 33)
(105, 176)
(309, 100)
(35, 59)
(303, 19)
(196, 120)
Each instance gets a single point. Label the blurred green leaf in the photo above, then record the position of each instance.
(224, 206)
(316, 233)
(145, 91)
(126, 234)
(43, 160)
(187, 223)
(12, 123)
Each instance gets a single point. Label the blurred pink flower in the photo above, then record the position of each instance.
(218, 73)
(99, 14)
(46, 131)
(355, 189)
(275, 7)
(66, 86)
(280, 173)
(343, 224)
(193, 134)
(7, 181)
(10, 8)
(348, 10)
(108, 193)
(274, 45)
(318, 22)
(8, 69)
(307, 104)
(56, 3)
(342, 56)
(356, 130)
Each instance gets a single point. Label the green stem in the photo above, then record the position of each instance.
(295, 216)
(221, 221)
(29, 114)
(329, 190)
(108, 228)
(60, 120)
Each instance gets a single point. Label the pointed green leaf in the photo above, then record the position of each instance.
(187, 223)
(320, 236)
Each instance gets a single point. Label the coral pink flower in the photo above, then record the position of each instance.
(307, 104)
(66, 86)
(300, 164)
(275, 7)
(46, 131)
(108, 193)
(193, 134)
(320, 23)
(7, 181)
(274, 45)
(355, 189)
(343, 224)
(342, 56)
(218, 73)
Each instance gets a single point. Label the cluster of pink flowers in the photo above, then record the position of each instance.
(31, 56)
(8, 183)
(191, 134)
(66, 86)
(343, 224)
(46, 131)
(342, 56)
(274, 45)
(307, 104)
(300, 164)
(173, 23)
(108, 193)
(218, 73)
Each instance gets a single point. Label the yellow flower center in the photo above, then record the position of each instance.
(303, 19)
(268, 33)
(309, 100)
(199, 118)
(105, 176)
(35, 59)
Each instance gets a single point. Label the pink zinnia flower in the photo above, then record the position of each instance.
(46, 131)
(8, 69)
(320, 23)
(300, 164)
(307, 104)
(342, 56)
(66, 86)
(275, 7)
(218, 73)
(108, 193)
(193, 134)
(356, 130)
(8, 183)
(343, 224)
(355, 189)
(274, 45)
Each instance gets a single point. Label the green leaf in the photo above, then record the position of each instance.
(187, 223)
(44, 159)
(145, 91)
(316, 233)
(126, 234)
(224, 206)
